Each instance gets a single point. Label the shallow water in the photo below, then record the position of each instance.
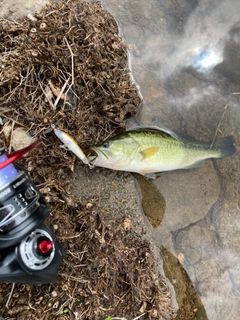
(185, 59)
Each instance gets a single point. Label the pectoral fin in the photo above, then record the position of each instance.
(149, 152)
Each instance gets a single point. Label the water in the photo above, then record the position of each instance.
(185, 60)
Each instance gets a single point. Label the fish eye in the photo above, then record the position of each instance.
(105, 144)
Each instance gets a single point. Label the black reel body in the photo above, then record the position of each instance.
(29, 251)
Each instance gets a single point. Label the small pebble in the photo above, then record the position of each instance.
(89, 205)
(54, 294)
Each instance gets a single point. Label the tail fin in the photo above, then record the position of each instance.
(225, 146)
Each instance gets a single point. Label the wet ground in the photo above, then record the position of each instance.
(111, 268)
(185, 59)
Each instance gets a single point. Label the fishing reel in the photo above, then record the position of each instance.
(29, 251)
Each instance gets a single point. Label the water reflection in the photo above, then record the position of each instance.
(206, 60)
(185, 58)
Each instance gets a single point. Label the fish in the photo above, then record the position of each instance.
(71, 144)
(149, 152)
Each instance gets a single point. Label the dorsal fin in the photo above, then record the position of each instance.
(149, 127)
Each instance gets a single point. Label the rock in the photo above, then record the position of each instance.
(189, 194)
(18, 9)
(20, 139)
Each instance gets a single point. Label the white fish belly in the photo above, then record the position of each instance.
(156, 164)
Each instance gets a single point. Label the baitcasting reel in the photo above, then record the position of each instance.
(29, 251)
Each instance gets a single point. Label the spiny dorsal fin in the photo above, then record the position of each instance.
(149, 152)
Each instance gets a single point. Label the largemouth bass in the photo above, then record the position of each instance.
(151, 151)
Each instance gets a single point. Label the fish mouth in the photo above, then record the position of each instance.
(95, 154)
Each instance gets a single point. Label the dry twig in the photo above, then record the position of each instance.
(72, 59)
(219, 124)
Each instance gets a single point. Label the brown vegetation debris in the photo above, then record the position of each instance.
(69, 68)
(105, 274)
